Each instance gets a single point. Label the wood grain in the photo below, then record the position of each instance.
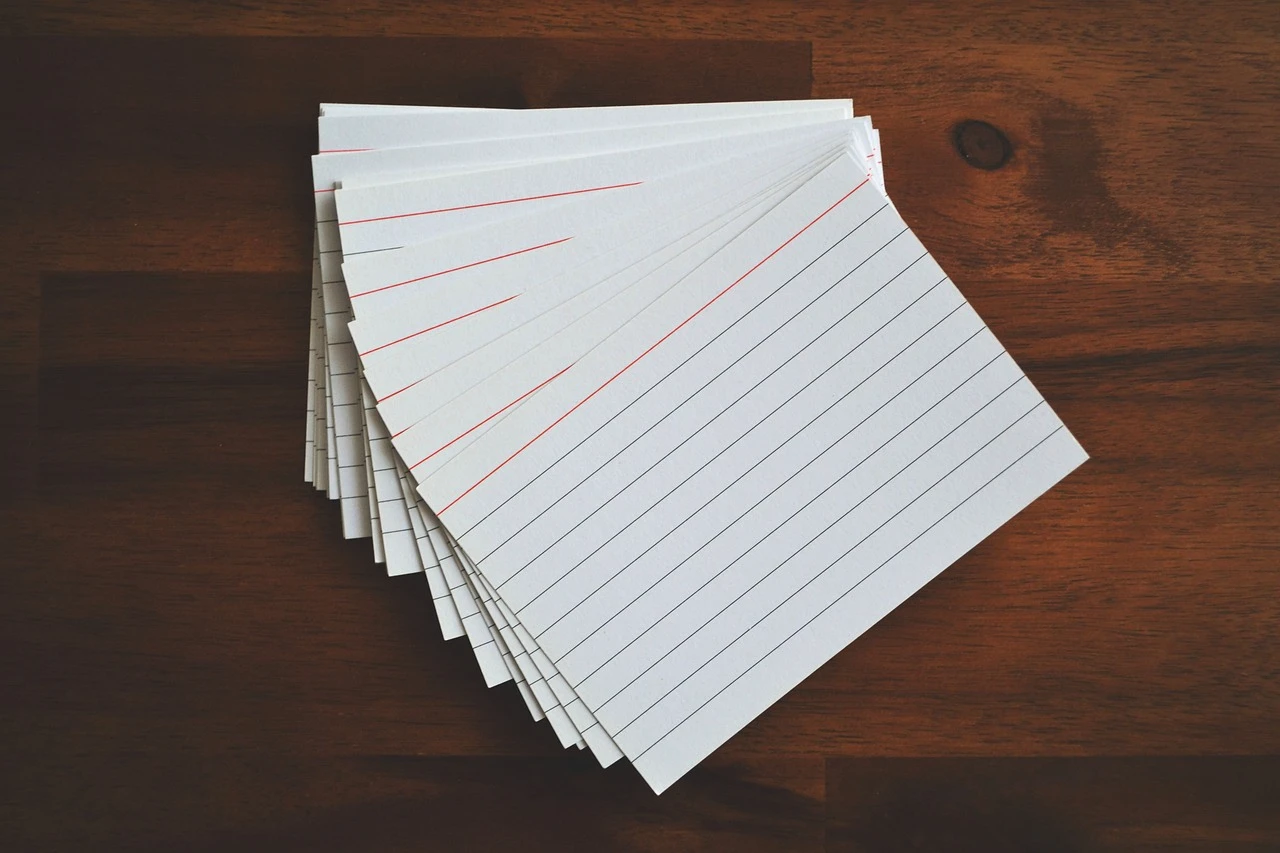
(1054, 805)
(193, 658)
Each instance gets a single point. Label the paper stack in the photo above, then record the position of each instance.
(667, 403)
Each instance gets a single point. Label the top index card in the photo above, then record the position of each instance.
(770, 458)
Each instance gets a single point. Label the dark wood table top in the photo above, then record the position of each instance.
(193, 658)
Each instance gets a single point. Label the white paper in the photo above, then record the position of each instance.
(647, 672)
(667, 404)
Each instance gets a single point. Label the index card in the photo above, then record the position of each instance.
(754, 355)
(667, 404)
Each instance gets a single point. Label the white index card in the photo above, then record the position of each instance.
(756, 353)
(667, 404)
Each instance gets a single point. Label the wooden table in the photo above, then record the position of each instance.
(193, 658)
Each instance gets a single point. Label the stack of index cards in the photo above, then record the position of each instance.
(667, 403)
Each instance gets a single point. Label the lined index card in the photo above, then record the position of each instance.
(659, 455)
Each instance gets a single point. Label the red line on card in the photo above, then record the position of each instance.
(463, 267)
(395, 392)
(490, 203)
(410, 426)
(438, 325)
(532, 390)
(317, 192)
(652, 347)
(342, 150)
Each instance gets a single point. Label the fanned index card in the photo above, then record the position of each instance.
(688, 557)
(662, 449)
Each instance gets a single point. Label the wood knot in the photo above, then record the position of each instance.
(982, 145)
